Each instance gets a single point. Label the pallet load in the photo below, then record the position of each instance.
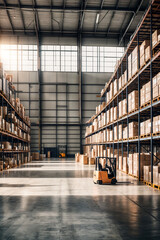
(133, 101)
(146, 170)
(155, 38)
(91, 161)
(77, 155)
(1, 165)
(145, 128)
(133, 129)
(156, 172)
(145, 159)
(143, 57)
(36, 156)
(145, 94)
(156, 86)
(84, 159)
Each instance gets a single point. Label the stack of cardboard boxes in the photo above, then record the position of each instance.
(145, 93)
(145, 127)
(143, 57)
(156, 86)
(132, 101)
(133, 129)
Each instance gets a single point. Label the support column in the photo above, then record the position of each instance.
(40, 92)
(80, 87)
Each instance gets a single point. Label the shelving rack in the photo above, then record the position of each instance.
(150, 22)
(10, 136)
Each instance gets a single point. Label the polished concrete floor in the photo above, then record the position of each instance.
(56, 199)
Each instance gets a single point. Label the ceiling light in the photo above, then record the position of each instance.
(97, 18)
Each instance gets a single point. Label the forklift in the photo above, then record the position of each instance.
(106, 175)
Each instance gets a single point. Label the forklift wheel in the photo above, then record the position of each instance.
(113, 181)
(99, 182)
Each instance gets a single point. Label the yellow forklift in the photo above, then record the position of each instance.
(106, 175)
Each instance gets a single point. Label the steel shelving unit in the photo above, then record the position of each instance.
(10, 136)
(148, 25)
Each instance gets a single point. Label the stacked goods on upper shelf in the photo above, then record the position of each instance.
(155, 38)
(145, 93)
(10, 123)
(145, 128)
(133, 129)
(132, 101)
(156, 124)
(7, 88)
(144, 50)
(100, 107)
(122, 108)
(156, 86)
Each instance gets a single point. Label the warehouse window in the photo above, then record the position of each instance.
(59, 58)
(100, 59)
(19, 57)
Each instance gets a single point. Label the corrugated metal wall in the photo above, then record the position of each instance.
(59, 98)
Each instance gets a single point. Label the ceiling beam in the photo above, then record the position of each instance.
(8, 15)
(123, 22)
(99, 12)
(22, 17)
(112, 16)
(51, 16)
(130, 21)
(36, 15)
(28, 7)
(64, 4)
(82, 14)
(94, 34)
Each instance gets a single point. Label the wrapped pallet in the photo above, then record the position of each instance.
(115, 113)
(144, 161)
(84, 160)
(155, 38)
(133, 129)
(130, 160)
(135, 61)
(125, 165)
(91, 161)
(146, 170)
(120, 132)
(156, 171)
(129, 66)
(143, 47)
(77, 155)
(115, 133)
(133, 101)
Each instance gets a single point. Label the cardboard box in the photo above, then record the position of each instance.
(84, 160)
(156, 171)
(91, 161)
(133, 129)
(146, 170)
(77, 155)
(155, 37)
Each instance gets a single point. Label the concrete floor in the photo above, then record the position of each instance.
(56, 199)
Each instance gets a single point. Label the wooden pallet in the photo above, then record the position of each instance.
(156, 134)
(156, 99)
(146, 104)
(132, 175)
(133, 111)
(131, 138)
(156, 186)
(145, 135)
(148, 184)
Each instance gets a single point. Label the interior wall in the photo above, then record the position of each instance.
(60, 100)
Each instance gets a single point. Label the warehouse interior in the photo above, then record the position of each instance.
(79, 119)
